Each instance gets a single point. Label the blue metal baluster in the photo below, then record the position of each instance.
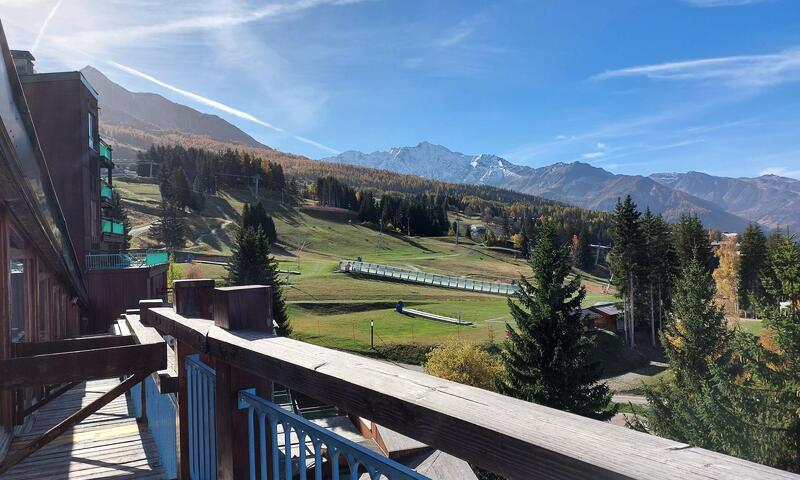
(189, 393)
(202, 422)
(273, 432)
(207, 419)
(287, 454)
(251, 442)
(213, 427)
(301, 441)
(353, 464)
(334, 453)
(317, 458)
(262, 432)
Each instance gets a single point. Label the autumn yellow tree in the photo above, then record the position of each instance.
(465, 363)
(726, 275)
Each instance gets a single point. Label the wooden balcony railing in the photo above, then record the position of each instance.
(228, 331)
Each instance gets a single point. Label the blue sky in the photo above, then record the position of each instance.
(633, 86)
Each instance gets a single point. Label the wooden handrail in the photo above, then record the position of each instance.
(517, 439)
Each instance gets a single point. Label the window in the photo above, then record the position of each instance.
(91, 130)
(19, 299)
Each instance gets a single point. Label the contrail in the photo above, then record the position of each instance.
(44, 25)
(220, 106)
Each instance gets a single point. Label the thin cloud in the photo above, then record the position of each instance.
(456, 35)
(592, 155)
(219, 106)
(736, 71)
(781, 172)
(205, 22)
(721, 3)
(46, 22)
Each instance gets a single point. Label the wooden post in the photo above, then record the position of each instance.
(6, 405)
(144, 309)
(238, 308)
(192, 298)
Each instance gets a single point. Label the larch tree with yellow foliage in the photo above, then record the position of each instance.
(465, 363)
(726, 275)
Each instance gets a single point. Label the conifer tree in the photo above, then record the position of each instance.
(752, 255)
(170, 229)
(696, 338)
(252, 263)
(625, 259)
(692, 242)
(729, 393)
(546, 356)
(119, 212)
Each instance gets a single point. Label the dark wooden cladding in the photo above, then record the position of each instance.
(70, 345)
(516, 439)
(243, 308)
(115, 291)
(82, 365)
(193, 298)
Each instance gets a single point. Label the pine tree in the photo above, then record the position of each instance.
(119, 212)
(252, 263)
(729, 393)
(695, 339)
(625, 259)
(256, 216)
(546, 356)
(752, 254)
(692, 242)
(170, 229)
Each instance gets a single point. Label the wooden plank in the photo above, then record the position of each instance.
(49, 398)
(73, 419)
(28, 349)
(82, 365)
(191, 331)
(145, 335)
(517, 439)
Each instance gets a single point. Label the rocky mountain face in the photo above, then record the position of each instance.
(131, 119)
(575, 183)
(770, 200)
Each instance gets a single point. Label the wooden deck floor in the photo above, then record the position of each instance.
(108, 444)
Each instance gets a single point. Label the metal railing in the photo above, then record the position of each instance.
(161, 413)
(264, 416)
(111, 226)
(202, 421)
(105, 190)
(119, 260)
(105, 150)
(433, 279)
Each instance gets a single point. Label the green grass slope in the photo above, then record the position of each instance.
(335, 309)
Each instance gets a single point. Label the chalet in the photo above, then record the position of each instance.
(190, 390)
(603, 315)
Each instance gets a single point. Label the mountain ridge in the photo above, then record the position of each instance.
(576, 183)
(132, 121)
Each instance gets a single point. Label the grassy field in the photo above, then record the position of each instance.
(335, 309)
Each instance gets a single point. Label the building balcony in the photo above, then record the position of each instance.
(105, 192)
(105, 152)
(222, 397)
(129, 259)
(112, 227)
